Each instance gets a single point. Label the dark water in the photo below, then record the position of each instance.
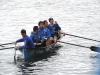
(78, 17)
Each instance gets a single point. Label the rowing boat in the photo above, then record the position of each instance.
(34, 52)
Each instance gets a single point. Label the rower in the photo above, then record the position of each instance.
(45, 33)
(56, 27)
(28, 43)
(36, 37)
(53, 35)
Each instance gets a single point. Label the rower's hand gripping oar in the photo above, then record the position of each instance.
(81, 37)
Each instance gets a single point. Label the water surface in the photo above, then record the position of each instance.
(78, 17)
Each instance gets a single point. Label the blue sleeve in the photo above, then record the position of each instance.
(52, 30)
(20, 40)
(48, 34)
(25, 44)
(58, 27)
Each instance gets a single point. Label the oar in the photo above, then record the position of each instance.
(6, 44)
(6, 48)
(72, 44)
(93, 48)
(1, 46)
(81, 37)
(15, 55)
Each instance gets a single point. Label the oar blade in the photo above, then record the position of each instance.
(95, 49)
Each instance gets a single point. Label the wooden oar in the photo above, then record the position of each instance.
(1, 46)
(81, 37)
(15, 55)
(72, 44)
(93, 48)
(6, 44)
(7, 48)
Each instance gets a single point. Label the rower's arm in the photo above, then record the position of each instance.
(58, 27)
(25, 45)
(20, 40)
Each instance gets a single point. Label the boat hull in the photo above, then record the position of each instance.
(34, 52)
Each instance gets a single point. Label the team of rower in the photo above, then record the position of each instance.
(42, 36)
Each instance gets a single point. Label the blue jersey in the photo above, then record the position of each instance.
(51, 30)
(45, 32)
(28, 43)
(56, 27)
(36, 37)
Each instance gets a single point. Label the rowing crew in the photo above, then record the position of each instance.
(44, 35)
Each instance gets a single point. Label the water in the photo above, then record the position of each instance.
(78, 17)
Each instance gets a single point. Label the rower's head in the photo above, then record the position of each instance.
(41, 24)
(35, 29)
(23, 32)
(45, 23)
(51, 20)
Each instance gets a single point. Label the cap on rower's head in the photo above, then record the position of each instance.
(50, 19)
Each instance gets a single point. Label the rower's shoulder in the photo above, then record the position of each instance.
(26, 37)
(55, 24)
(32, 33)
(46, 29)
